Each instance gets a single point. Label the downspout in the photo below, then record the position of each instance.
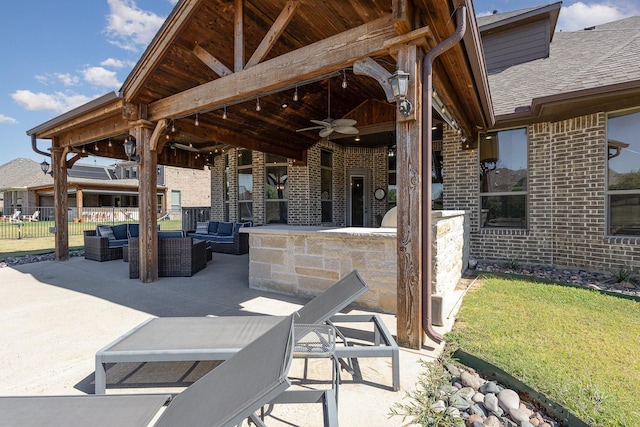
(34, 146)
(427, 119)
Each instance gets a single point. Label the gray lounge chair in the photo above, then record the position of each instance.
(234, 391)
(173, 339)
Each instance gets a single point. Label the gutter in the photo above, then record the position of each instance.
(34, 146)
(427, 119)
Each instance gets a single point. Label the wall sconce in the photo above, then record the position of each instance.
(45, 167)
(130, 149)
(399, 82)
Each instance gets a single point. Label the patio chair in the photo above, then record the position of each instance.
(14, 217)
(218, 338)
(230, 393)
(35, 217)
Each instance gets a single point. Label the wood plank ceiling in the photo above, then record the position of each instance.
(199, 48)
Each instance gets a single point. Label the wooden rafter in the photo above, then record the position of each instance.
(238, 37)
(309, 62)
(211, 61)
(274, 33)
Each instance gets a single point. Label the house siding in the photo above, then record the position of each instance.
(566, 200)
(516, 45)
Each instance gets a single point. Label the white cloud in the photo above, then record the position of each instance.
(130, 27)
(7, 119)
(100, 76)
(67, 79)
(580, 15)
(43, 79)
(58, 102)
(113, 63)
(173, 2)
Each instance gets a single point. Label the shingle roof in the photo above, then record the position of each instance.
(24, 173)
(585, 59)
(496, 17)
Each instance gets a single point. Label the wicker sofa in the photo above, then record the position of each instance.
(177, 256)
(105, 243)
(224, 237)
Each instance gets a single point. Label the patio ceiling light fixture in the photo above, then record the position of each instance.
(130, 149)
(399, 82)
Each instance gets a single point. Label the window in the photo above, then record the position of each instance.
(326, 185)
(276, 189)
(437, 165)
(503, 179)
(623, 186)
(245, 186)
(175, 202)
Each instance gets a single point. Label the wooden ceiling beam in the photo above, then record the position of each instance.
(308, 62)
(211, 61)
(107, 128)
(274, 33)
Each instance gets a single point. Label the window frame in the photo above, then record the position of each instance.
(284, 201)
(327, 201)
(607, 192)
(525, 193)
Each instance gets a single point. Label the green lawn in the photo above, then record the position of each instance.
(577, 346)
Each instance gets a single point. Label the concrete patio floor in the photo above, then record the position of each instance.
(56, 315)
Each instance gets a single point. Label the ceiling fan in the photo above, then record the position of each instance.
(329, 125)
(173, 145)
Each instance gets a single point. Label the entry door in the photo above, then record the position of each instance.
(358, 215)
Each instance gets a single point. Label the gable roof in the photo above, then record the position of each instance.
(518, 17)
(581, 63)
(212, 55)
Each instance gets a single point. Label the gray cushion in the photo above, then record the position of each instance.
(106, 231)
(202, 227)
(120, 231)
(224, 239)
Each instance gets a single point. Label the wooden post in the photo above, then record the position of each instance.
(147, 187)
(60, 200)
(409, 148)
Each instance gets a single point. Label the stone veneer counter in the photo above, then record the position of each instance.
(304, 260)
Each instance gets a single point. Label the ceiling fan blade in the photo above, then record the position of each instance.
(347, 130)
(326, 132)
(325, 122)
(344, 122)
(185, 147)
(311, 128)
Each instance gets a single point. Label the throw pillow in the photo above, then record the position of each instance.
(225, 229)
(106, 231)
(202, 227)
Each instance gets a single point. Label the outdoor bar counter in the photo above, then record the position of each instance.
(305, 260)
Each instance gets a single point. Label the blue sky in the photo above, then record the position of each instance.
(61, 54)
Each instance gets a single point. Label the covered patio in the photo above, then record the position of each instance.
(249, 74)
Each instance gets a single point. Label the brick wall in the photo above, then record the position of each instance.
(193, 184)
(566, 200)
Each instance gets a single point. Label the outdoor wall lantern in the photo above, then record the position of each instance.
(399, 82)
(45, 167)
(130, 149)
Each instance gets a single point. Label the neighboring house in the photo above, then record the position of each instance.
(25, 188)
(557, 181)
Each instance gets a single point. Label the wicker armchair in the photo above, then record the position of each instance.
(177, 257)
(239, 246)
(97, 248)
